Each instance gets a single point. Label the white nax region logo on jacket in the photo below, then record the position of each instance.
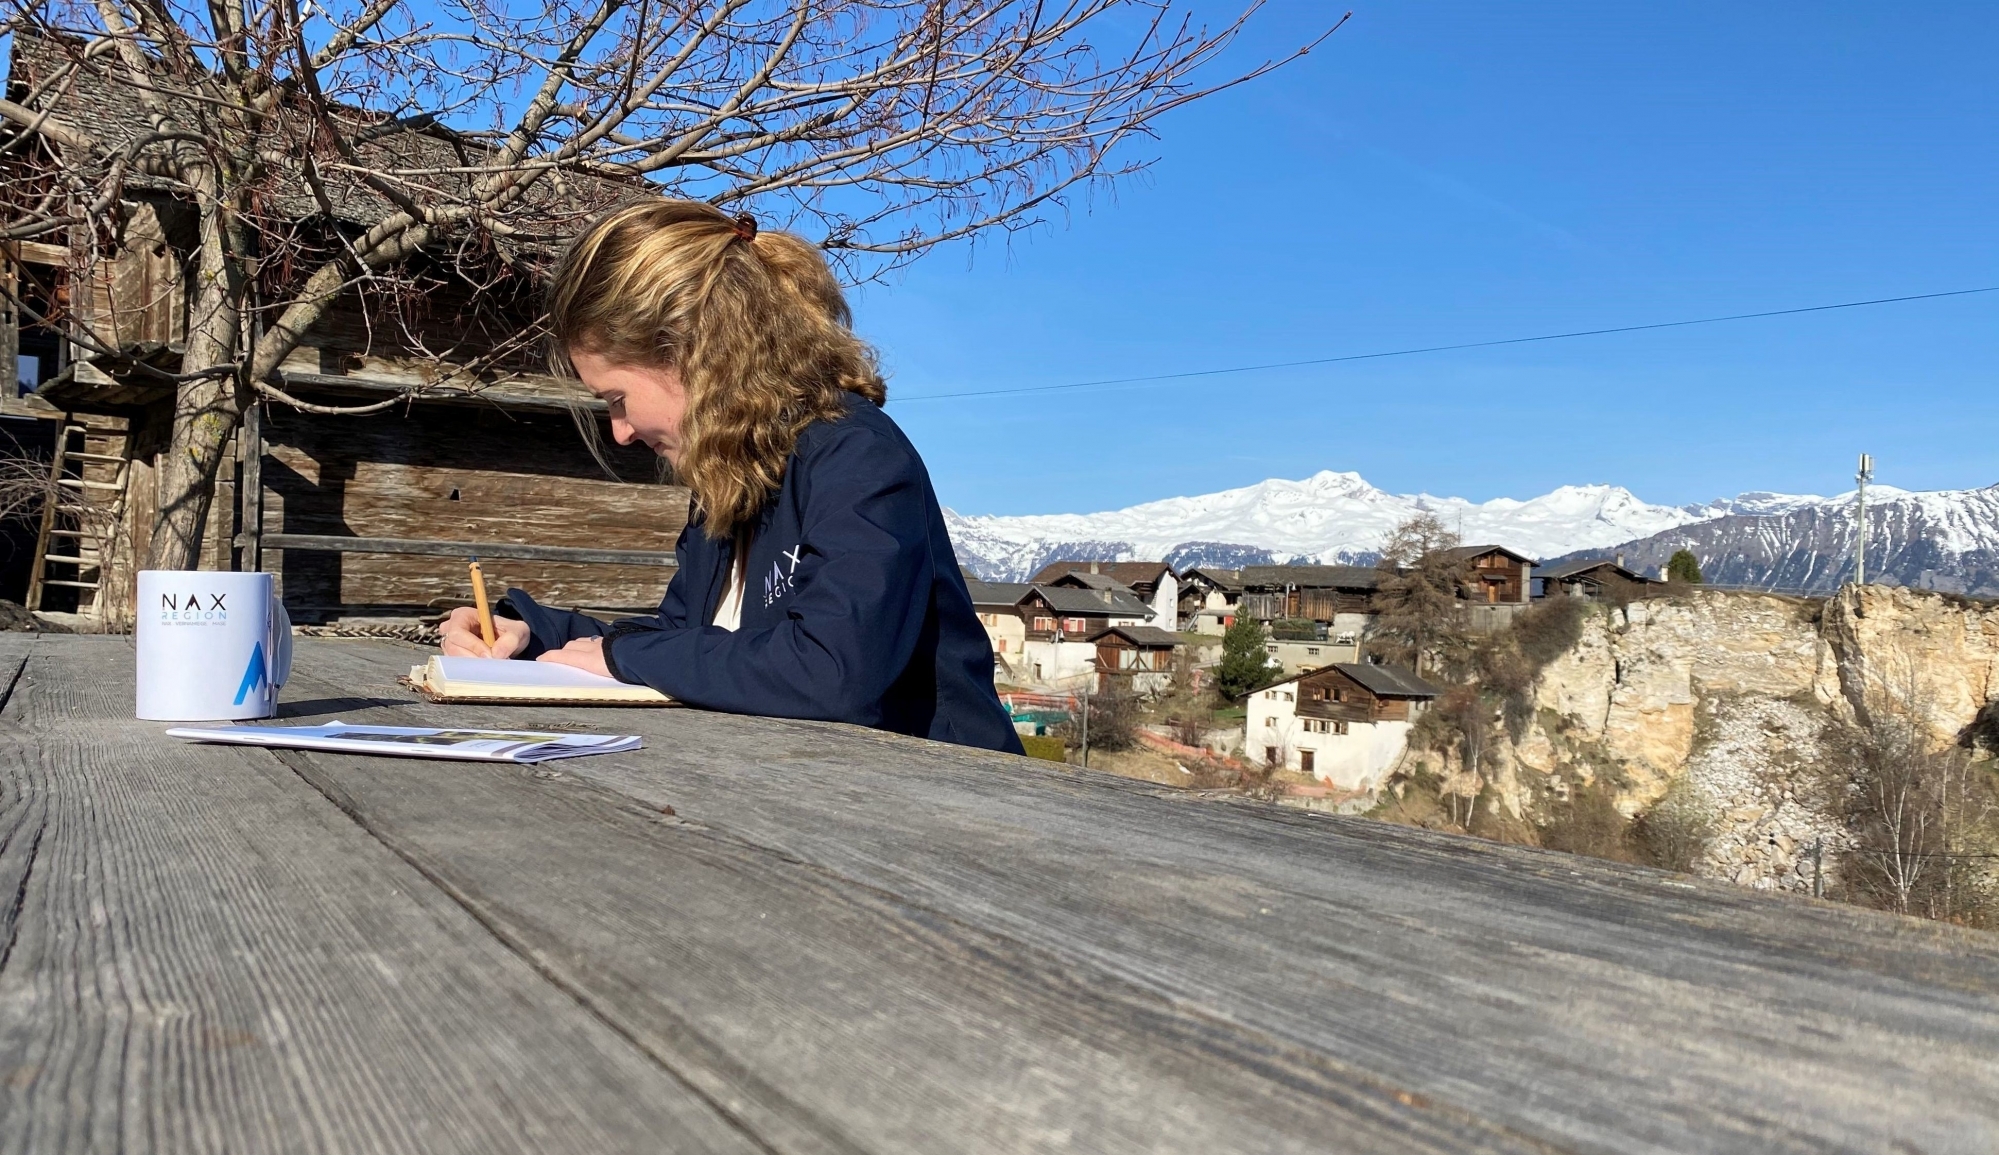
(778, 583)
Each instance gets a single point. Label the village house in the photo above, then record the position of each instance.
(1153, 582)
(1060, 650)
(1596, 579)
(1208, 599)
(1138, 659)
(362, 518)
(998, 607)
(1338, 602)
(1345, 724)
(1498, 583)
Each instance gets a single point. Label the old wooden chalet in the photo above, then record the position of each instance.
(1208, 597)
(1597, 579)
(1319, 593)
(1494, 575)
(361, 517)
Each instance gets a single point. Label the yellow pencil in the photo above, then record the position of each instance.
(485, 610)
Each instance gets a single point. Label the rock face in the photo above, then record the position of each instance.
(1737, 694)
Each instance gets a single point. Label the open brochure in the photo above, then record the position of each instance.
(417, 741)
(444, 679)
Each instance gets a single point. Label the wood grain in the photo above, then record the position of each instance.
(1581, 1004)
(201, 954)
(833, 1016)
(459, 472)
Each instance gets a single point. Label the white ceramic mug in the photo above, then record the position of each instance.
(213, 646)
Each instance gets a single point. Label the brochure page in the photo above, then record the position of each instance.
(417, 741)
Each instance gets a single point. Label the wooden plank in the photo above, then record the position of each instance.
(1582, 1004)
(834, 1016)
(411, 546)
(198, 953)
(436, 474)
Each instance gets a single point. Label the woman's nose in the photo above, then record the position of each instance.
(622, 431)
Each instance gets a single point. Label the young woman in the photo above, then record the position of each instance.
(815, 579)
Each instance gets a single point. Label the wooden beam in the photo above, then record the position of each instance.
(379, 385)
(250, 497)
(338, 544)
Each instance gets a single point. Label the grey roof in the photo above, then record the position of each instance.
(1468, 552)
(1142, 635)
(1093, 603)
(1006, 594)
(1388, 681)
(1131, 573)
(1095, 581)
(1341, 577)
(1572, 568)
(1225, 579)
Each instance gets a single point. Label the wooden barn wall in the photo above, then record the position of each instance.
(519, 477)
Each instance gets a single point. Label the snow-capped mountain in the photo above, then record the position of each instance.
(1943, 540)
(1328, 517)
(1946, 539)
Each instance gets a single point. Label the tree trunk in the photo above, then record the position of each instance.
(206, 409)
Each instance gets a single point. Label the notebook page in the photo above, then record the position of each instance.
(512, 672)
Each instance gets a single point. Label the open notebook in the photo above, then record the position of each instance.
(507, 680)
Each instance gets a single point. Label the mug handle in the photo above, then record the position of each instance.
(280, 668)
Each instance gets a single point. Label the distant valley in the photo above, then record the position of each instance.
(1944, 540)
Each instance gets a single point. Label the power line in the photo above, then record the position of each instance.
(1442, 348)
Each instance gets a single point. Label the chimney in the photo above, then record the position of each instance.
(1093, 567)
(1620, 561)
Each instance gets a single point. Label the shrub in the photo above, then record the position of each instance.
(1048, 747)
(1589, 824)
(1295, 630)
(1675, 833)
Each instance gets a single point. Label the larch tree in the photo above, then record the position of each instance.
(879, 128)
(1420, 619)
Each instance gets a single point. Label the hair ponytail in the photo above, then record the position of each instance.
(754, 321)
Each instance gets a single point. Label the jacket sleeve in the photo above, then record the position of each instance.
(551, 629)
(548, 628)
(852, 624)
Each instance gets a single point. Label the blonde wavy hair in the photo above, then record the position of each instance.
(754, 321)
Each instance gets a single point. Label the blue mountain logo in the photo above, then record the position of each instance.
(255, 676)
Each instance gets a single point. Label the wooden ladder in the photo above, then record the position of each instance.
(82, 514)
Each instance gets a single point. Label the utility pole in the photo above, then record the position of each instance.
(1861, 478)
(1086, 727)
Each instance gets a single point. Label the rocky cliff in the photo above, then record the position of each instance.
(1737, 694)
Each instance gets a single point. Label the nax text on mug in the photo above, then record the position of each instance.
(213, 646)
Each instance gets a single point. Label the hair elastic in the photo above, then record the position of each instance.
(746, 227)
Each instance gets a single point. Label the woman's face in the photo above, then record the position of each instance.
(646, 402)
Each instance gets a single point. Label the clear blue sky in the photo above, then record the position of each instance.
(1444, 172)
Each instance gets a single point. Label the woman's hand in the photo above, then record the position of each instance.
(583, 653)
(461, 636)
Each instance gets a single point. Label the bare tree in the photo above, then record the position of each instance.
(1923, 817)
(1421, 622)
(328, 149)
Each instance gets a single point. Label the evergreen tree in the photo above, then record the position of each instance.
(1245, 663)
(1683, 566)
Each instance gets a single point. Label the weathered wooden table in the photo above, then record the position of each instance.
(761, 936)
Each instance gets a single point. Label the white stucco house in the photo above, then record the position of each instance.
(1346, 724)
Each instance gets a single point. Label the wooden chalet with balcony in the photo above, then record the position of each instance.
(360, 517)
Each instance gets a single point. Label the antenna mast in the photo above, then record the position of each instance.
(1861, 477)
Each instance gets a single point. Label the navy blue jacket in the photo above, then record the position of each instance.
(853, 606)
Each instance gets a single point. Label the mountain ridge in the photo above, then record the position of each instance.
(1942, 539)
